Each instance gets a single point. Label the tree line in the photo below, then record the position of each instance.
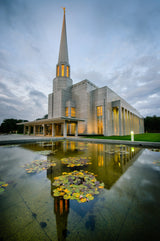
(151, 125)
(10, 125)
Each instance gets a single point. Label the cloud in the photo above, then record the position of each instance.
(38, 98)
(30, 107)
(113, 44)
(139, 84)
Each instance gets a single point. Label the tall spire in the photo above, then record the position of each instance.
(63, 51)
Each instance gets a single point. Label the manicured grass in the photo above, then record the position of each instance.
(152, 137)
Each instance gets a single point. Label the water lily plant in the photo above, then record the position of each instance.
(3, 185)
(77, 185)
(76, 161)
(37, 166)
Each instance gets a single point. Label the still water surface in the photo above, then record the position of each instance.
(126, 209)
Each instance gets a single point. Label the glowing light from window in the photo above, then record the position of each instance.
(73, 112)
(67, 71)
(62, 70)
(58, 70)
(99, 120)
(66, 111)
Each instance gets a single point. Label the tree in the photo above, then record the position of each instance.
(10, 126)
(44, 117)
(152, 124)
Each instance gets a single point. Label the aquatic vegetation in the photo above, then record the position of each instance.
(76, 161)
(77, 185)
(3, 185)
(37, 166)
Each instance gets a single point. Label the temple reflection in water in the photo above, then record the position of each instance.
(109, 162)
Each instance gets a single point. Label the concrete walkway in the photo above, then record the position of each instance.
(19, 139)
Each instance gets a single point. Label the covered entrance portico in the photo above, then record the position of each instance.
(52, 127)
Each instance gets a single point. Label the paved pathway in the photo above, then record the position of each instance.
(18, 139)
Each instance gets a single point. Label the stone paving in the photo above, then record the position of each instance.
(18, 139)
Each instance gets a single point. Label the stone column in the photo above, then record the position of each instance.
(124, 126)
(117, 121)
(24, 130)
(29, 130)
(34, 130)
(65, 129)
(125, 122)
(44, 130)
(129, 123)
(134, 123)
(112, 122)
(76, 131)
(52, 129)
(120, 122)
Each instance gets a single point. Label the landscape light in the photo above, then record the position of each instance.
(132, 136)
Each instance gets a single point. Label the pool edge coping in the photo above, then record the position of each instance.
(101, 141)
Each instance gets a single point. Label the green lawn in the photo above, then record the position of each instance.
(152, 137)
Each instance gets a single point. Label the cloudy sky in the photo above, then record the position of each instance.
(113, 43)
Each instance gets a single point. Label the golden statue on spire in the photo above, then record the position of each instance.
(64, 9)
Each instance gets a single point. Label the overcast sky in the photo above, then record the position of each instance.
(111, 43)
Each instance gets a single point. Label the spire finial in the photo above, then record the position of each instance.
(64, 9)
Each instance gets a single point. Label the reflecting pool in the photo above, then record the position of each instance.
(70, 190)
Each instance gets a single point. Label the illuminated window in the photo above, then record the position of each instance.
(99, 120)
(99, 111)
(67, 71)
(58, 70)
(62, 70)
(66, 111)
(73, 112)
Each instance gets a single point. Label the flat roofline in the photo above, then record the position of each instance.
(52, 120)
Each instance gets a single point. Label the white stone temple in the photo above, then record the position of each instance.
(83, 108)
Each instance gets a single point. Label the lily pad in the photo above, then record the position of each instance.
(37, 166)
(76, 161)
(77, 185)
(3, 185)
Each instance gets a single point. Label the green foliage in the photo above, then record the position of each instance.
(10, 126)
(44, 117)
(152, 124)
(77, 185)
(76, 161)
(152, 137)
(37, 166)
(3, 185)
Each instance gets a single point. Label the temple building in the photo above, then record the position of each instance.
(83, 108)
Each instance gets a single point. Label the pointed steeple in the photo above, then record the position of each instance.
(63, 68)
(63, 51)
